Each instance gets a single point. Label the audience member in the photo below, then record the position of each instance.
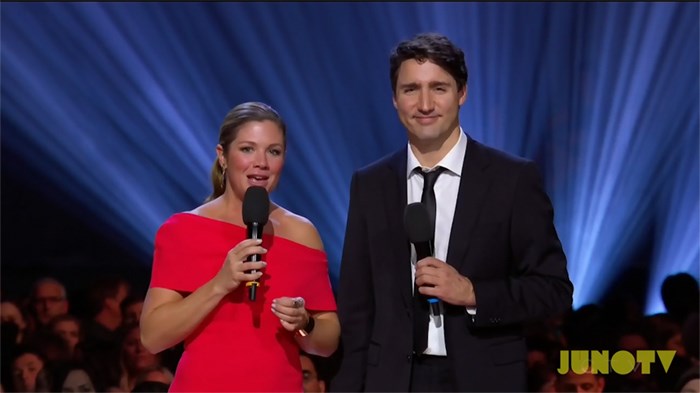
(77, 380)
(52, 347)
(541, 378)
(586, 328)
(689, 382)
(663, 332)
(10, 313)
(102, 337)
(104, 299)
(25, 369)
(131, 310)
(68, 328)
(586, 382)
(313, 382)
(681, 296)
(691, 338)
(630, 339)
(48, 300)
(70, 377)
(154, 374)
(135, 359)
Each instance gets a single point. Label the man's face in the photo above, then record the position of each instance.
(572, 382)
(49, 301)
(311, 381)
(427, 101)
(69, 331)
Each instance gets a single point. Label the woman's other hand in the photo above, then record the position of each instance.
(291, 312)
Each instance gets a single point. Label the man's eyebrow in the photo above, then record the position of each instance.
(409, 84)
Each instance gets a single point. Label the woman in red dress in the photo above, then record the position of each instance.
(197, 291)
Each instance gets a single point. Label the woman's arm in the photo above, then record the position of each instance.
(168, 317)
(323, 339)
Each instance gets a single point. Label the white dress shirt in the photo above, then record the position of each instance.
(446, 190)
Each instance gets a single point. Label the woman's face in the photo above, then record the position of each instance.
(255, 157)
(136, 357)
(24, 371)
(69, 331)
(675, 343)
(132, 313)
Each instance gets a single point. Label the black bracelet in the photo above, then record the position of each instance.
(308, 328)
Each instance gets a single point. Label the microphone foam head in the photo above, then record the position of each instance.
(256, 205)
(417, 223)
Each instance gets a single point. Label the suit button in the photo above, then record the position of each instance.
(409, 357)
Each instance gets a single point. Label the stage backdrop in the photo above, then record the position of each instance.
(110, 116)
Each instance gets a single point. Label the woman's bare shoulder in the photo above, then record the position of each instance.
(298, 229)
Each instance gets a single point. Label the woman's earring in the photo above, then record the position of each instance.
(223, 177)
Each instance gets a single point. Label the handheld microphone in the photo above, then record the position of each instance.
(256, 211)
(420, 232)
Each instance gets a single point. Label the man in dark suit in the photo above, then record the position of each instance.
(497, 262)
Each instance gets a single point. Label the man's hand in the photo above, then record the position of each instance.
(436, 278)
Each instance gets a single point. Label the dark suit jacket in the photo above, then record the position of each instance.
(503, 239)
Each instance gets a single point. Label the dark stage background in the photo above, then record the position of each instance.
(110, 114)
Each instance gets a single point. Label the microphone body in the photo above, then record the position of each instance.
(424, 250)
(254, 231)
(256, 212)
(420, 233)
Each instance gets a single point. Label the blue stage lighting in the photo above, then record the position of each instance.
(115, 107)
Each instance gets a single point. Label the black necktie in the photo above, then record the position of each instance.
(421, 312)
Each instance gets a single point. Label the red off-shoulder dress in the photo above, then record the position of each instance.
(240, 345)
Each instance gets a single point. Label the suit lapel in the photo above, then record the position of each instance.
(394, 204)
(473, 187)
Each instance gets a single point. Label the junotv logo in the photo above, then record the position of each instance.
(621, 362)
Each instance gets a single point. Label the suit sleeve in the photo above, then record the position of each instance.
(539, 284)
(355, 298)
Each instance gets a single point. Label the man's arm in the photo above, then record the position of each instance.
(539, 284)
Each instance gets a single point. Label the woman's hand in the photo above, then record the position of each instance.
(291, 312)
(233, 271)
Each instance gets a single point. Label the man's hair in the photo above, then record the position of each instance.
(48, 280)
(432, 47)
(679, 293)
(101, 289)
